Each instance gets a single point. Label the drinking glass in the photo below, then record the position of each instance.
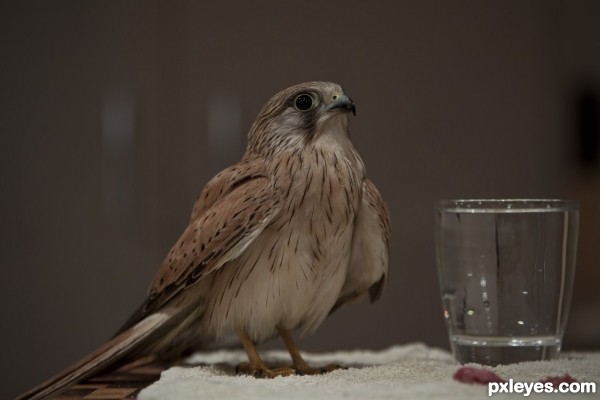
(506, 270)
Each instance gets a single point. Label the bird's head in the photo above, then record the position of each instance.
(300, 114)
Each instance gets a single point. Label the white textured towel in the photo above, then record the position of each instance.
(412, 371)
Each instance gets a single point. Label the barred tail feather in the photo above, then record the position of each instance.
(111, 353)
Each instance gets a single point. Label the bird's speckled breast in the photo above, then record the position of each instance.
(293, 272)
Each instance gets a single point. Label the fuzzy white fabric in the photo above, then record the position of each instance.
(412, 371)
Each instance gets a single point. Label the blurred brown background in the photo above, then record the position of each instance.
(114, 114)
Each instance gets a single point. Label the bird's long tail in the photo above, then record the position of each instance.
(109, 355)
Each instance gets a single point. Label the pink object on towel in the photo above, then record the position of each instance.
(481, 376)
(484, 376)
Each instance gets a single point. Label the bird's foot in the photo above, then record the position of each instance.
(317, 371)
(263, 372)
(274, 372)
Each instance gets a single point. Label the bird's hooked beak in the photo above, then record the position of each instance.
(341, 102)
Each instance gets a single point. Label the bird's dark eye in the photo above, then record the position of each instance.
(304, 102)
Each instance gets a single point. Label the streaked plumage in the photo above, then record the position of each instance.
(275, 243)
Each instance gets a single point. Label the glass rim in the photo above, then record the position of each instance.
(505, 205)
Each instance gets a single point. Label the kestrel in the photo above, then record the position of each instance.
(275, 243)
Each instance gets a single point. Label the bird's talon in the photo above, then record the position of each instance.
(318, 371)
(242, 368)
(260, 372)
(331, 367)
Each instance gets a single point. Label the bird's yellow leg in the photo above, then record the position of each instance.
(255, 366)
(301, 367)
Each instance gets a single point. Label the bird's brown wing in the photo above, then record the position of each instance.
(369, 258)
(229, 214)
(232, 211)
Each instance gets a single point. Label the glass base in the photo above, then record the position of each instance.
(494, 350)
